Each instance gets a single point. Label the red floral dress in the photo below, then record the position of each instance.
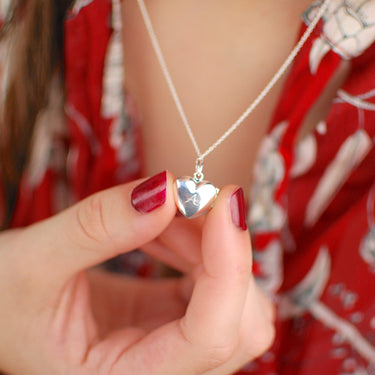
(312, 211)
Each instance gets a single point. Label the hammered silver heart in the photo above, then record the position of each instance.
(194, 198)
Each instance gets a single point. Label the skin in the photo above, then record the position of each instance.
(68, 320)
(220, 55)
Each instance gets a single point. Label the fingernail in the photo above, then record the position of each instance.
(150, 194)
(237, 209)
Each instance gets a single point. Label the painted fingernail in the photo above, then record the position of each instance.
(237, 209)
(150, 194)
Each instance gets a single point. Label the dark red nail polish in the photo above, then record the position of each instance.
(237, 209)
(150, 194)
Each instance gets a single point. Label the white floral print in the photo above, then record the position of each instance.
(349, 28)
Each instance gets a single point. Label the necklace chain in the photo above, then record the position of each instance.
(288, 61)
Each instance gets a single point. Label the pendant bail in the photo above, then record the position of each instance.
(198, 175)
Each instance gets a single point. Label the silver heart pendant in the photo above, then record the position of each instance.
(194, 198)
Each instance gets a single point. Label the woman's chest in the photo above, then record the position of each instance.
(220, 56)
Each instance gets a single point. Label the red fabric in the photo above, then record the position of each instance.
(87, 36)
(307, 343)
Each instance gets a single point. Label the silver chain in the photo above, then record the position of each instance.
(288, 61)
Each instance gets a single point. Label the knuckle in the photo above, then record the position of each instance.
(217, 355)
(211, 354)
(90, 219)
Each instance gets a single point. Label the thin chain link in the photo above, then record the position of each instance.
(288, 61)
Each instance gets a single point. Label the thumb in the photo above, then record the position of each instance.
(100, 227)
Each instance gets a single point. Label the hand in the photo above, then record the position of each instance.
(179, 246)
(50, 322)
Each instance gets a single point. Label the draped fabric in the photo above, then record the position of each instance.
(311, 211)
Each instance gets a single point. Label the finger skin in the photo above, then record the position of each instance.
(207, 334)
(92, 231)
(179, 246)
(220, 294)
(184, 237)
(164, 254)
(256, 333)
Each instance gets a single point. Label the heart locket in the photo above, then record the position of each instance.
(194, 198)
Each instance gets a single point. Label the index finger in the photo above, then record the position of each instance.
(100, 227)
